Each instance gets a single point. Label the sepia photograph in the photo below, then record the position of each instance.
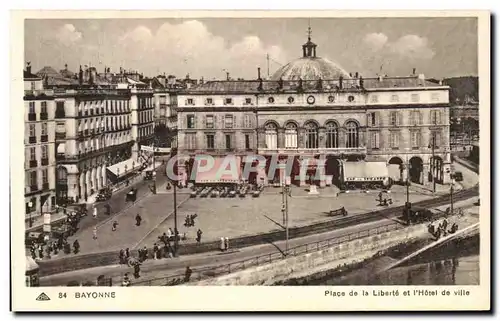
(242, 150)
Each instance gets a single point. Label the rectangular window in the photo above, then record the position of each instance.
(60, 113)
(394, 98)
(394, 140)
(190, 101)
(435, 117)
(44, 129)
(374, 98)
(394, 118)
(436, 137)
(32, 107)
(32, 153)
(210, 101)
(209, 121)
(33, 85)
(415, 98)
(32, 130)
(228, 101)
(228, 141)
(45, 153)
(415, 139)
(43, 109)
(435, 96)
(210, 141)
(228, 121)
(248, 101)
(33, 179)
(190, 121)
(191, 141)
(247, 122)
(372, 119)
(375, 140)
(247, 142)
(45, 176)
(415, 117)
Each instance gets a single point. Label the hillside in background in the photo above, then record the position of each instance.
(466, 88)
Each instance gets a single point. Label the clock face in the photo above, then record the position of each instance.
(310, 100)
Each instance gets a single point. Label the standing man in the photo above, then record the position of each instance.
(198, 236)
(94, 213)
(95, 233)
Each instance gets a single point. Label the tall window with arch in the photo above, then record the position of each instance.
(271, 136)
(332, 135)
(291, 135)
(311, 135)
(352, 135)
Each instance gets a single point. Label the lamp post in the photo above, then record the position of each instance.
(284, 209)
(433, 147)
(452, 181)
(30, 205)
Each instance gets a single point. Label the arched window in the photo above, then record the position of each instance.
(311, 135)
(271, 136)
(332, 135)
(352, 140)
(291, 135)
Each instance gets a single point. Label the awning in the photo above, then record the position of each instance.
(156, 149)
(217, 169)
(72, 169)
(151, 167)
(365, 171)
(124, 168)
(61, 148)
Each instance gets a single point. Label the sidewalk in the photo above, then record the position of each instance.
(155, 269)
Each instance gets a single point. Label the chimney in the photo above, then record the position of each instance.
(28, 68)
(80, 75)
(356, 75)
(421, 76)
(258, 73)
(350, 74)
(361, 82)
(227, 76)
(441, 82)
(341, 80)
(414, 71)
(380, 77)
(202, 81)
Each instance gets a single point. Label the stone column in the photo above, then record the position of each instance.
(281, 138)
(322, 137)
(320, 172)
(425, 174)
(342, 140)
(261, 141)
(301, 142)
(282, 170)
(303, 172)
(261, 174)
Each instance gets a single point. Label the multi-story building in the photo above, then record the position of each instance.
(94, 134)
(314, 111)
(39, 135)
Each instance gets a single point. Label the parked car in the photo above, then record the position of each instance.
(104, 195)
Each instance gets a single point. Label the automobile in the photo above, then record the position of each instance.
(149, 175)
(104, 195)
(131, 195)
(458, 177)
(33, 238)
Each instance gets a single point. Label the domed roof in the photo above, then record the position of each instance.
(310, 68)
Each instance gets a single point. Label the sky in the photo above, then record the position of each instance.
(208, 48)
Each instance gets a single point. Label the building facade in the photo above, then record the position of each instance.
(39, 136)
(315, 112)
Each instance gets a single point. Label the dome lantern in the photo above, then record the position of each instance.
(309, 48)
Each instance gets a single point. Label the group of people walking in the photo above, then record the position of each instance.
(441, 229)
(49, 248)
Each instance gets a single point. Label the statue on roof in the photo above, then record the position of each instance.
(280, 83)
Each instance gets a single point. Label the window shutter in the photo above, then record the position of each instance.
(438, 117)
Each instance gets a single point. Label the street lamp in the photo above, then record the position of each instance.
(284, 209)
(433, 147)
(30, 205)
(452, 182)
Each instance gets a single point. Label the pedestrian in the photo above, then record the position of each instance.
(226, 243)
(122, 256)
(137, 270)
(198, 236)
(94, 214)
(127, 253)
(176, 234)
(155, 251)
(138, 219)
(170, 233)
(145, 253)
(76, 246)
(187, 274)
(222, 244)
(126, 280)
(115, 224)
(95, 233)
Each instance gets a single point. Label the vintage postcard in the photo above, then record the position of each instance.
(250, 161)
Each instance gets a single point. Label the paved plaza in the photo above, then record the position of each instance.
(233, 217)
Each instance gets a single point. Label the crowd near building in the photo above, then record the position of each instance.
(346, 127)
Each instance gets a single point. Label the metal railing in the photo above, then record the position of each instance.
(210, 272)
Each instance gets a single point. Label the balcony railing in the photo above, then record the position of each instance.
(40, 92)
(60, 135)
(339, 150)
(31, 116)
(44, 116)
(34, 188)
(45, 161)
(33, 163)
(44, 138)
(45, 186)
(32, 139)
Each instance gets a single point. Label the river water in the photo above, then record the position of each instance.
(452, 264)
